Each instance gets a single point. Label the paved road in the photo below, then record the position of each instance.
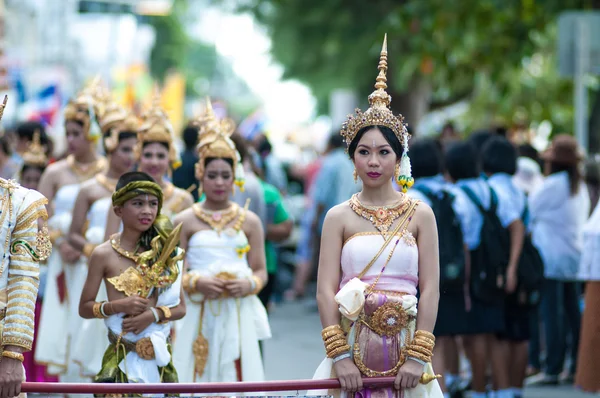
(295, 350)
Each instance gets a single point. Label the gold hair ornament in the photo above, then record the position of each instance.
(36, 153)
(380, 114)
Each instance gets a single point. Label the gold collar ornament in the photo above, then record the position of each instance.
(36, 153)
(214, 142)
(380, 114)
(382, 217)
(156, 127)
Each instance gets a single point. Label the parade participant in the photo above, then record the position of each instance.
(25, 244)
(156, 155)
(89, 223)
(376, 249)
(142, 270)
(60, 183)
(219, 338)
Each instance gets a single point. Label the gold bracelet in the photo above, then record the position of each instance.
(96, 310)
(13, 355)
(54, 235)
(338, 351)
(336, 337)
(335, 344)
(193, 283)
(425, 334)
(421, 350)
(88, 248)
(331, 331)
(418, 355)
(185, 282)
(259, 285)
(166, 310)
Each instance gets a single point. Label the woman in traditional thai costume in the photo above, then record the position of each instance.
(119, 130)
(34, 164)
(376, 250)
(219, 338)
(142, 268)
(60, 183)
(156, 155)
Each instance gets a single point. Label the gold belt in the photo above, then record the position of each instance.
(143, 347)
(387, 320)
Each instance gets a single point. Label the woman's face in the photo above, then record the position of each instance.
(77, 143)
(155, 160)
(217, 182)
(30, 178)
(121, 159)
(374, 159)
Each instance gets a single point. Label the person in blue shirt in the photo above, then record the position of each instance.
(499, 161)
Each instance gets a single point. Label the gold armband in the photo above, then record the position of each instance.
(13, 355)
(88, 249)
(55, 234)
(167, 311)
(97, 310)
(257, 285)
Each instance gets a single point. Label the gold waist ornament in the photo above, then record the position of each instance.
(143, 347)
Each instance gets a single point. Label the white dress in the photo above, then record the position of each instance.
(53, 337)
(233, 327)
(86, 334)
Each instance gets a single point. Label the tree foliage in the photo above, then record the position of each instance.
(449, 44)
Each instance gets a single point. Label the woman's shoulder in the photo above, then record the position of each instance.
(339, 211)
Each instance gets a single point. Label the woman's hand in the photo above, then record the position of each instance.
(68, 253)
(239, 287)
(408, 375)
(139, 323)
(211, 288)
(132, 305)
(349, 375)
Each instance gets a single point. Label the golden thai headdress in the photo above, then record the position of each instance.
(156, 127)
(114, 121)
(3, 106)
(214, 142)
(82, 109)
(380, 114)
(35, 155)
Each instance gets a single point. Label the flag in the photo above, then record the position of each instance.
(45, 105)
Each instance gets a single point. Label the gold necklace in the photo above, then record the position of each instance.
(86, 171)
(115, 242)
(217, 220)
(382, 217)
(108, 183)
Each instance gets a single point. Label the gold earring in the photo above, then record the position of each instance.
(200, 191)
(397, 173)
(355, 176)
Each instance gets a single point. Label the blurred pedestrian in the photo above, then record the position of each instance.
(184, 176)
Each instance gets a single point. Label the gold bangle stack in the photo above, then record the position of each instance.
(335, 341)
(422, 346)
(189, 282)
(88, 248)
(13, 355)
(96, 310)
(167, 311)
(258, 285)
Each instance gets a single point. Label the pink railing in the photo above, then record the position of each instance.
(195, 388)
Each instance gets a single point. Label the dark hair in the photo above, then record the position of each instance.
(190, 136)
(461, 161)
(29, 166)
(133, 176)
(27, 129)
(479, 138)
(335, 141)
(499, 155)
(210, 159)
(5, 146)
(425, 158)
(165, 144)
(264, 146)
(240, 144)
(528, 151)
(573, 172)
(387, 133)
(123, 135)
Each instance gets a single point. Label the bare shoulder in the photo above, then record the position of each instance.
(186, 198)
(423, 212)
(102, 254)
(339, 212)
(55, 169)
(252, 220)
(184, 215)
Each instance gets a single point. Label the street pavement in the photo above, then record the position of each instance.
(295, 350)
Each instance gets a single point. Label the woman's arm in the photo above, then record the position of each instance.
(429, 268)
(328, 280)
(113, 224)
(256, 239)
(82, 205)
(92, 285)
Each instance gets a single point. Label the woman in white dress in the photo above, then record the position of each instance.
(225, 260)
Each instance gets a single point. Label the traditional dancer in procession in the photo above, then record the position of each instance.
(219, 338)
(142, 270)
(376, 250)
(89, 223)
(60, 183)
(22, 212)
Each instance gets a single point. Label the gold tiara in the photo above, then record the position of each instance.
(156, 127)
(214, 138)
(35, 155)
(379, 113)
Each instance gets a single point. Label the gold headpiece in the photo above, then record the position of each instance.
(156, 127)
(379, 114)
(81, 109)
(35, 154)
(214, 142)
(115, 121)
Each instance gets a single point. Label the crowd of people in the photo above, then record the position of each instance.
(164, 264)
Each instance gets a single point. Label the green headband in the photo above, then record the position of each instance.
(137, 188)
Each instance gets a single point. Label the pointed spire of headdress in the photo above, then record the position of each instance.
(35, 155)
(3, 106)
(380, 96)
